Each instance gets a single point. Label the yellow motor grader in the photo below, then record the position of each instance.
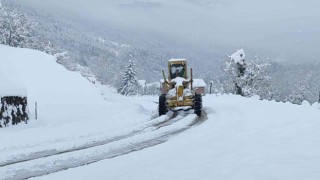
(178, 92)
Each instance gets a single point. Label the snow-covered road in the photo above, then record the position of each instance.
(41, 163)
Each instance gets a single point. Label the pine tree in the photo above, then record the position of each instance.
(129, 84)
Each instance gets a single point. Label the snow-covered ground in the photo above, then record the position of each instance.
(242, 138)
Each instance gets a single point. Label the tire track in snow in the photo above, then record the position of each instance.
(37, 167)
(53, 152)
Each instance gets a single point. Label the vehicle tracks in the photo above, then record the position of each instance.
(46, 163)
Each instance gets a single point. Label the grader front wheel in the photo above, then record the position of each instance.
(198, 104)
(162, 105)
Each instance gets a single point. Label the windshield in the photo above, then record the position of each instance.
(177, 70)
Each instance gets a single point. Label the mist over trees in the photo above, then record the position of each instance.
(105, 55)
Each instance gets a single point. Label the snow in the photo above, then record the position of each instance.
(196, 82)
(10, 81)
(177, 59)
(142, 83)
(239, 56)
(71, 110)
(178, 81)
(305, 103)
(156, 84)
(12, 89)
(243, 138)
(316, 105)
(199, 83)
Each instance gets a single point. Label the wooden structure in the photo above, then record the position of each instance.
(13, 110)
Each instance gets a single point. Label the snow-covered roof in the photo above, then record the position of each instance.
(199, 83)
(238, 56)
(178, 59)
(154, 84)
(13, 90)
(10, 81)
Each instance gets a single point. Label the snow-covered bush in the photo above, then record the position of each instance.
(316, 105)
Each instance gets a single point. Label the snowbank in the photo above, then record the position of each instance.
(71, 110)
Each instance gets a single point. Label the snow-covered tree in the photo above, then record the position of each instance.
(249, 77)
(129, 84)
(153, 89)
(141, 88)
(301, 89)
(44, 45)
(257, 80)
(15, 28)
(60, 57)
(236, 67)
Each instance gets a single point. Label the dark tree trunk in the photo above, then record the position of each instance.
(238, 90)
(241, 72)
(10, 38)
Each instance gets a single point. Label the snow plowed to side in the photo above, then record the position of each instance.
(71, 110)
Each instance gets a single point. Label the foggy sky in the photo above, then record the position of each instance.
(286, 30)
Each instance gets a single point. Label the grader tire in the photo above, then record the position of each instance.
(162, 105)
(198, 104)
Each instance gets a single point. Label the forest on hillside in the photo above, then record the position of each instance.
(105, 55)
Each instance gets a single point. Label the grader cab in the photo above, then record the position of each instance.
(178, 92)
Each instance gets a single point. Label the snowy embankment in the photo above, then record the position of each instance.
(71, 110)
(242, 139)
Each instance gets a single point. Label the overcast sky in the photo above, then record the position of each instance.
(285, 30)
